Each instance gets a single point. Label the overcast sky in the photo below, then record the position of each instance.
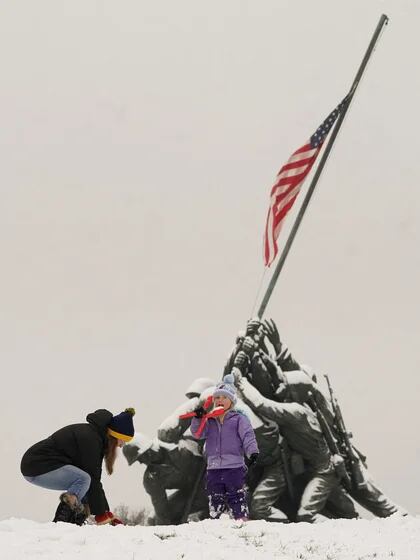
(139, 141)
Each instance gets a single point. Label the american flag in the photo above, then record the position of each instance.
(289, 181)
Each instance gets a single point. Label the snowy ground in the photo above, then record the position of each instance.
(394, 538)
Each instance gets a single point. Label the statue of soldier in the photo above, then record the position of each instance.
(266, 478)
(301, 428)
(297, 386)
(168, 467)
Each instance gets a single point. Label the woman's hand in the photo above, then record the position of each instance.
(108, 518)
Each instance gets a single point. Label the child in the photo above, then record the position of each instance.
(228, 438)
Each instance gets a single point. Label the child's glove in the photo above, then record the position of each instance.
(200, 412)
(107, 517)
(252, 459)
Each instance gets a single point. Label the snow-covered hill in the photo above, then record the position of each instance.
(391, 539)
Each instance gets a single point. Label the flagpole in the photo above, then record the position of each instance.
(382, 21)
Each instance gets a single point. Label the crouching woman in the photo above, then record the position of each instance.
(71, 460)
(229, 437)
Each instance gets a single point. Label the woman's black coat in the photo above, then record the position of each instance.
(81, 445)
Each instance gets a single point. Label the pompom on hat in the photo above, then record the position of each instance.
(121, 425)
(226, 388)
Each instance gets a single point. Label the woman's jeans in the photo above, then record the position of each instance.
(69, 478)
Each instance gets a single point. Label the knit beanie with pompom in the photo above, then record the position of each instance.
(226, 388)
(121, 425)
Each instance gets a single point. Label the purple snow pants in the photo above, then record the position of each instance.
(226, 487)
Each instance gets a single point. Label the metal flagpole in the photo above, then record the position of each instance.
(382, 21)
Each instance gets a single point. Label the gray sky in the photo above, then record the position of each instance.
(139, 143)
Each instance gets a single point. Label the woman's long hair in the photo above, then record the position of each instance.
(111, 453)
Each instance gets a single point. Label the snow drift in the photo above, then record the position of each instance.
(395, 538)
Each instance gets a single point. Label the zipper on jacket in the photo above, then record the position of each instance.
(220, 426)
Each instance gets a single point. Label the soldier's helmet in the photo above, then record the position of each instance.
(198, 386)
(136, 447)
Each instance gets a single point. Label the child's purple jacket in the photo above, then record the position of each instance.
(227, 443)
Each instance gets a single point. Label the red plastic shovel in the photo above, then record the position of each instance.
(218, 411)
(207, 404)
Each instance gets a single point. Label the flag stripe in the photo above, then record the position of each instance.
(298, 161)
(278, 223)
(291, 193)
(285, 194)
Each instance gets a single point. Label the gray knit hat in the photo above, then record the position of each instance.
(226, 388)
